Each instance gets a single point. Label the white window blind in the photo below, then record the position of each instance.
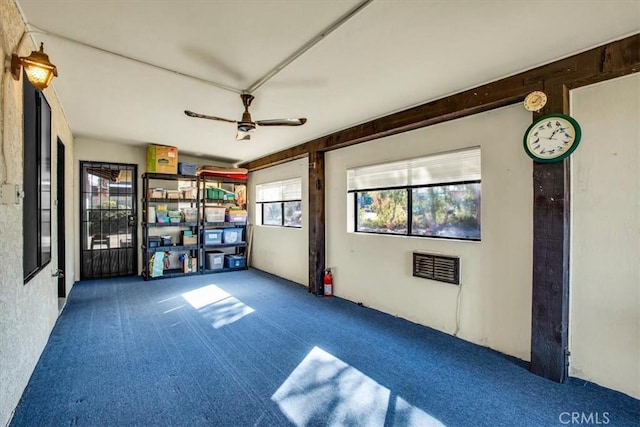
(278, 191)
(453, 166)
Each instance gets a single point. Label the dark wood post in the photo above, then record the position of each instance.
(316, 222)
(551, 238)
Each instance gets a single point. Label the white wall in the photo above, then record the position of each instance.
(110, 152)
(282, 251)
(605, 245)
(27, 311)
(494, 307)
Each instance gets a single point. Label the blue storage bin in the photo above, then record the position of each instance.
(212, 237)
(187, 168)
(235, 261)
(232, 235)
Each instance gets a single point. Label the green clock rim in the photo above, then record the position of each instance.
(567, 153)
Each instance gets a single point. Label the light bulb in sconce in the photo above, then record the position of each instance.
(39, 70)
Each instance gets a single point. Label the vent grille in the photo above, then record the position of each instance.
(437, 267)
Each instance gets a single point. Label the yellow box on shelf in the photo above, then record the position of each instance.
(162, 159)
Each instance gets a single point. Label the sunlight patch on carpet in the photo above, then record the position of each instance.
(324, 389)
(204, 296)
(217, 306)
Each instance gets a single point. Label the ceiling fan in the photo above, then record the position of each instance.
(247, 125)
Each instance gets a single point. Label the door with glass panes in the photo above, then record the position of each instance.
(108, 225)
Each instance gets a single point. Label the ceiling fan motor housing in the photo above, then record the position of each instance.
(246, 124)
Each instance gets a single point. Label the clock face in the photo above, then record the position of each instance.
(535, 100)
(551, 138)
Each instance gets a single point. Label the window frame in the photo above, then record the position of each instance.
(409, 190)
(37, 182)
(260, 206)
(281, 202)
(401, 177)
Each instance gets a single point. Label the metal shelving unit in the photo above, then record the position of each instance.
(200, 250)
(175, 229)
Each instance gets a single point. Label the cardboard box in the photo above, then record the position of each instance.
(190, 240)
(190, 265)
(162, 159)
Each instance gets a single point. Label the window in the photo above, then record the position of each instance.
(36, 214)
(434, 196)
(279, 203)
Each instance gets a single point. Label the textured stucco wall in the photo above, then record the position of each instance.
(27, 312)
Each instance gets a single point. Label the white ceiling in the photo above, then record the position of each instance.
(389, 56)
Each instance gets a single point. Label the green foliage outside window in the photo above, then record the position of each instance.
(451, 211)
(447, 211)
(383, 211)
(111, 218)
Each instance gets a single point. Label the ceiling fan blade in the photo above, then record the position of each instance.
(282, 122)
(204, 116)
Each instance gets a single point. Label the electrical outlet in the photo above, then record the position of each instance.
(11, 194)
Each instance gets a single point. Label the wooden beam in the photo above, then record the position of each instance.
(316, 222)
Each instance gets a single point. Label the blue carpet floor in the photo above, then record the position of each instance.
(248, 349)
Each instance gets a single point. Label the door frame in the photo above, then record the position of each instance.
(60, 208)
(134, 211)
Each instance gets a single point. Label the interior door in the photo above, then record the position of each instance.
(109, 217)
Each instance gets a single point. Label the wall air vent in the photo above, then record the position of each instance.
(436, 267)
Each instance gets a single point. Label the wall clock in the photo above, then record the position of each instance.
(535, 100)
(551, 138)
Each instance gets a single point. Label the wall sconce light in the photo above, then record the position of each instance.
(39, 70)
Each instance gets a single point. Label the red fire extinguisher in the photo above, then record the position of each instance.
(328, 283)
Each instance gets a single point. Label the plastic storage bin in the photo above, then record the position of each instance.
(212, 237)
(154, 241)
(232, 235)
(214, 214)
(187, 168)
(234, 215)
(214, 260)
(215, 193)
(235, 261)
(190, 214)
